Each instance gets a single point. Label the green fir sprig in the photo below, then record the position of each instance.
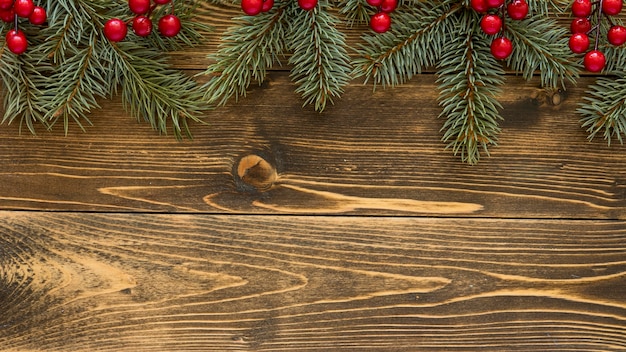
(72, 66)
(469, 83)
(319, 57)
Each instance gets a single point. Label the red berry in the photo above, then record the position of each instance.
(612, 7)
(6, 4)
(161, 2)
(16, 41)
(580, 25)
(581, 8)
(252, 7)
(594, 61)
(495, 3)
(517, 9)
(374, 3)
(115, 30)
(388, 5)
(267, 5)
(139, 7)
(39, 16)
(380, 22)
(501, 48)
(307, 5)
(579, 43)
(169, 25)
(479, 5)
(142, 26)
(23, 8)
(491, 24)
(616, 35)
(7, 15)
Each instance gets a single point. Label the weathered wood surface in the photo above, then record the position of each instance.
(525, 251)
(373, 153)
(112, 282)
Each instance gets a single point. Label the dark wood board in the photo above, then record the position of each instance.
(372, 153)
(140, 282)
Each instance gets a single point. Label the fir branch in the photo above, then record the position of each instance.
(321, 67)
(153, 91)
(604, 109)
(21, 79)
(355, 11)
(245, 53)
(414, 42)
(541, 46)
(469, 81)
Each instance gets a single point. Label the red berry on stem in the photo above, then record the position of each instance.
(479, 5)
(252, 7)
(115, 30)
(491, 24)
(139, 7)
(581, 8)
(39, 16)
(388, 5)
(594, 61)
(267, 5)
(612, 7)
(517, 9)
(579, 43)
(23, 8)
(380, 22)
(16, 41)
(495, 3)
(580, 25)
(307, 5)
(501, 48)
(169, 25)
(374, 3)
(6, 4)
(161, 2)
(616, 35)
(142, 26)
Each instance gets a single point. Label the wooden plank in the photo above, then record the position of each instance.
(83, 282)
(372, 153)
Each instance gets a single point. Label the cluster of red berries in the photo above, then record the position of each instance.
(12, 11)
(169, 25)
(581, 28)
(492, 22)
(380, 22)
(255, 7)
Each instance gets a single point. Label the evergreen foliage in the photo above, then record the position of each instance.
(319, 54)
(70, 65)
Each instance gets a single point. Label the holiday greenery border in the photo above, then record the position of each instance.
(70, 64)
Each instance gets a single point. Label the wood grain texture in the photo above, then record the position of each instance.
(87, 282)
(372, 153)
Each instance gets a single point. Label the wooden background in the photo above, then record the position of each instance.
(281, 229)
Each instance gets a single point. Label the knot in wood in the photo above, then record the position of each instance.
(257, 172)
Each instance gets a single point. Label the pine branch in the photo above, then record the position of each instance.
(414, 43)
(245, 53)
(355, 11)
(604, 109)
(541, 46)
(153, 91)
(21, 79)
(321, 67)
(469, 79)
